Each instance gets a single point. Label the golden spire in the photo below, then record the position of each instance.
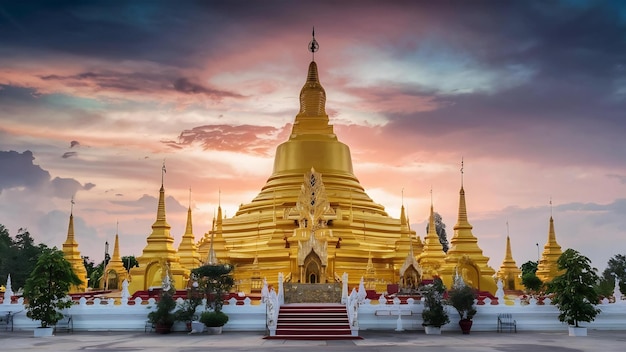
(433, 255)
(116, 248)
(465, 256)
(72, 254)
(548, 268)
(509, 273)
(187, 249)
(462, 222)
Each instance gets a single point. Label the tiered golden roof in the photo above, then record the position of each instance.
(72, 255)
(548, 268)
(509, 273)
(465, 257)
(158, 253)
(267, 229)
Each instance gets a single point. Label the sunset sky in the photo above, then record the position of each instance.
(95, 95)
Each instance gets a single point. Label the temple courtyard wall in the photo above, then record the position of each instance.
(249, 315)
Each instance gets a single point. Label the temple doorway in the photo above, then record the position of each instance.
(112, 282)
(312, 268)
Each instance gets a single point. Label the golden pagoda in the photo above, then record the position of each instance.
(433, 256)
(159, 256)
(548, 268)
(312, 220)
(72, 255)
(509, 273)
(465, 257)
(187, 249)
(115, 273)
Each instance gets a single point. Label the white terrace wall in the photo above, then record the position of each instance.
(106, 315)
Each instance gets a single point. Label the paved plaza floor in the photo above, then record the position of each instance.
(553, 341)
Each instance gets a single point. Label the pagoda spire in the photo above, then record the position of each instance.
(187, 249)
(464, 256)
(159, 249)
(547, 269)
(72, 254)
(115, 265)
(433, 255)
(509, 273)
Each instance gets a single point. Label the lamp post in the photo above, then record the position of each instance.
(106, 253)
(537, 253)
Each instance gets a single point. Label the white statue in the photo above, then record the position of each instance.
(500, 291)
(8, 292)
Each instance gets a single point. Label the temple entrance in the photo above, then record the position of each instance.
(470, 275)
(411, 279)
(112, 282)
(312, 268)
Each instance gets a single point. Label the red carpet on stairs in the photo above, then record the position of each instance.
(313, 321)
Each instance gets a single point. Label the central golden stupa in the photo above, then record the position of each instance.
(312, 220)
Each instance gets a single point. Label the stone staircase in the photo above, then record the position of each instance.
(313, 321)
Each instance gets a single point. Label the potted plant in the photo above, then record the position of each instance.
(574, 291)
(214, 320)
(186, 311)
(46, 290)
(461, 297)
(214, 280)
(163, 317)
(434, 313)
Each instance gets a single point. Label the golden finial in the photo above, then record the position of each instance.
(461, 172)
(313, 45)
(163, 171)
(72, 206)
(189, 197)
(550, 206)
(402, 192)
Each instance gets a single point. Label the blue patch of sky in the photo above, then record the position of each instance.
(65, 101)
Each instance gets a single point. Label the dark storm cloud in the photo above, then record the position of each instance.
(69, 155)
(184, 85)
(74, 144)
(17, 170)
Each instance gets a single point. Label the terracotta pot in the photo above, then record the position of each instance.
(161, 328)
(466, 325)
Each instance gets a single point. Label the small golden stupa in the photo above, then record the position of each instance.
(72, 255)
(509, 273)
(115, 273)
(465, 257)
(159, 256)
(548, 269)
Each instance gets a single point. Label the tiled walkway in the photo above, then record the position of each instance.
(554, 341)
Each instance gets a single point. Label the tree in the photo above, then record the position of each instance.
(616, 268)
(440, 228)
(17, 257)
(532, 282)
(434, 313)
(47, 287)
(215, 280)
(574, 290)
(529, 276)
(6, 246)
(129, 261)
(529, 267)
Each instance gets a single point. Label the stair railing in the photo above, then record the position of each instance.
(272, 307)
